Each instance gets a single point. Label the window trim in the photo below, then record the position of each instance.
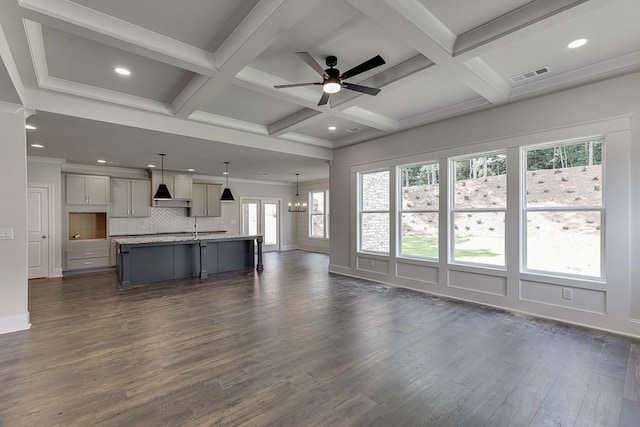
(361, 211)
(580, 208)
(324, 214)
(400, 211)
(453, 211)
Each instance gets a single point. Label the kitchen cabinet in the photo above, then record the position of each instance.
(206, 200)
(130, 198)
(87, 190)
(87, 254)
(179, 184)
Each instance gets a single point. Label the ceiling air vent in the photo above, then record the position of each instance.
(354, 129)
(530, 74)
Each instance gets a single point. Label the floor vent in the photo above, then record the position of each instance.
(530, 74)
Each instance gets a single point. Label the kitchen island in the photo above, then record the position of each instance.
(158, 258)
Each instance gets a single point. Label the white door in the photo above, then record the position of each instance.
(38, 229)
(262, 216)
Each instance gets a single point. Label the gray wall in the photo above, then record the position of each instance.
(553, 114)
(14, 314)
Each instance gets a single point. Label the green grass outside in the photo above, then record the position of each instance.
(427, 247)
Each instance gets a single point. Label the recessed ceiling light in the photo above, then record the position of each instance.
(122, 71)
(30, 127)
(102, 161)
(225, 173)
(577, 43)
(37, 145)
(191, 170)
(151, 166)
(332, 128)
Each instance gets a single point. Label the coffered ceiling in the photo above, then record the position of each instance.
(202, 72)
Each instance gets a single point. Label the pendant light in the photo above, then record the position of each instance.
(296, 205)
(226, 193)
(162, 192)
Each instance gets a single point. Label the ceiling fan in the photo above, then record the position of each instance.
(332, 80)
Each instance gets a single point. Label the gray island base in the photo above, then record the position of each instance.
(154, 259)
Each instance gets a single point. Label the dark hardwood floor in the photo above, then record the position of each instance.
(297, 346)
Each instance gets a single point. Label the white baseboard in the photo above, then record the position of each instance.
(288, 248)
(57, 272)
(14, 323)
(340, 269)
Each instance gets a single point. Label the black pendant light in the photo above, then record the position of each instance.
(163, 191)
(226, 193)
(296, 205)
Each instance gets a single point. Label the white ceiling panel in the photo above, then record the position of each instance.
(549, 47)
(461, 16)
(201, 23)
(84, 61)
(249, 106)
(340, 32)
(435, 91)
(320, 128)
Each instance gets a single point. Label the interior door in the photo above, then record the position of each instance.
(38, 230)
(262, 216)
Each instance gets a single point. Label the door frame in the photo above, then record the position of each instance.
(261, 201)
(52, 236)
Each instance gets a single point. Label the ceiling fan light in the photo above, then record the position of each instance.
(331, 87)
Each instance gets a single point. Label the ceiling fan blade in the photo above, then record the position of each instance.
(324, 99)
(306, 57)
(374, 62)
(296, 85)
(364, 89)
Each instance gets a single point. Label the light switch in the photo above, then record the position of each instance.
(6, 233)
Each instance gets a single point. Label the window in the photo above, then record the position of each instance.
(418, 216)
(374, 212)
(318, 214)
(479, 203)
(564, 209)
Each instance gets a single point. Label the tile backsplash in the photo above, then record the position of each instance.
(162, 220)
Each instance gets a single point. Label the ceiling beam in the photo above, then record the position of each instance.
(112, 113)
(10, 65)
(257, 31)
(89, 23)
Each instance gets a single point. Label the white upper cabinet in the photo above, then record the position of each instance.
(87, 190)
(130, 198)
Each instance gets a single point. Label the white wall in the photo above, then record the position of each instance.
(14, 314)
(305, 242)
(46, 171)
(535, 119)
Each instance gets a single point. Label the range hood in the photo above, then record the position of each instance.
(171, 203)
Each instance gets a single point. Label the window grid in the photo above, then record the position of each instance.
(593, 215)
(420, 208)
(488, 219)
(374, 212)
(319, 215)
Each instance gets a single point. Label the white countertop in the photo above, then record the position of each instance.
(162, 239)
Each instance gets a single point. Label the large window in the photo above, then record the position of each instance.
(374, 212)
(418, 216)
(563, 208)
(478, 209)
(318, 214)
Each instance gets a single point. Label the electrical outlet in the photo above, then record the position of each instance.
(567, 293)
(6, 233)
